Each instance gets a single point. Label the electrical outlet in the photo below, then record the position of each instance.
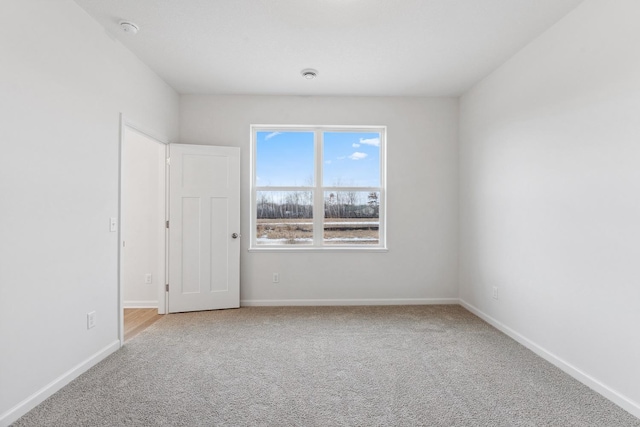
(495, 292)
(148, 279)
(276, 277)
(91, 320)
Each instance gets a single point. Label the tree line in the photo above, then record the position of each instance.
(298, 204)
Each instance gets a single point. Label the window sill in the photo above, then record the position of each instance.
(316, 249)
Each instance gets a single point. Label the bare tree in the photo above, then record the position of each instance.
(374, 202)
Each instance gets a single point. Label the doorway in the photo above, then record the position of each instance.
(142, 222)
(204, 230)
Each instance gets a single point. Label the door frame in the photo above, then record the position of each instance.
(126, 123)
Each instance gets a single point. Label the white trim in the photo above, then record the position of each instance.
(123, 125)
(344, 302)
(318, 191)
(140, 304)
(163, 294)
(38, 397)
(309, 248)
(624, 402)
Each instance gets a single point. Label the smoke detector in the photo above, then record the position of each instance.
(129, 27)
(309, 73)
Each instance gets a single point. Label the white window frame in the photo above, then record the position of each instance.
(318, 190)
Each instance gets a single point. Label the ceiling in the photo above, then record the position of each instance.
(359, 47)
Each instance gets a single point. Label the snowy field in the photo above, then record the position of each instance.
(337, 231)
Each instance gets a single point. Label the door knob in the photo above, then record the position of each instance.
(234, 235)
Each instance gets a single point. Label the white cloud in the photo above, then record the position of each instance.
(271, 135)
(355, 145)
(328, 162)
(342, 157)
(358, 156)
(370, 141)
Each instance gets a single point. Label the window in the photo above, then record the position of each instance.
(317, 187)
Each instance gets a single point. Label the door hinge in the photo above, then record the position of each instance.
(169, 161)
(167, 223)
(166, 287)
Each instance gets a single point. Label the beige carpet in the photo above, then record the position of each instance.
(326, 366)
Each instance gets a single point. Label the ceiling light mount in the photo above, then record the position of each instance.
(309, 73)
(129, 27)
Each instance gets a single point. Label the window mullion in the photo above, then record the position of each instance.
(284, 188)
(318, 196)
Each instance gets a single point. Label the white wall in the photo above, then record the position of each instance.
(550, 196)
(421, 264)
(63, 82)
(143, 219)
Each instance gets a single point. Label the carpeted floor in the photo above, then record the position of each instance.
(326, 366)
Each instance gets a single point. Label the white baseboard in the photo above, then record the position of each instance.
(38, 397)
(342, 302)
(140, 304)
(624, 402)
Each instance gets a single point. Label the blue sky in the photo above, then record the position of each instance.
(286, 159)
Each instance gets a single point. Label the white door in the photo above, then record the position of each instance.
(204, 227)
